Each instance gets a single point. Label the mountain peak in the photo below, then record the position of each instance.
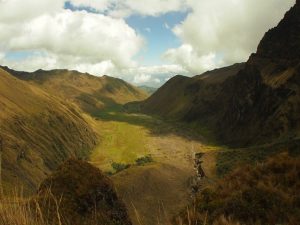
(282, 42)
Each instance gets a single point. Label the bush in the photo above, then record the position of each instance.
(144, 160)
(119, 166)
(267, 193)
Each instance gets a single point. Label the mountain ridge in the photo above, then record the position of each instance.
(89, 92)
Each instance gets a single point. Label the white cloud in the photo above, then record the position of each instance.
(61, 38)
(166, 25)
(153, 7)
(125, 8)
(20, 10)
(141, 78)
(151, 75)
(186, 56)
(218, 33)
(157, 80)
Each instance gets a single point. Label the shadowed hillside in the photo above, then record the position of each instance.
(250, 104)
(89, 92)
(180, 94)
(38, 133)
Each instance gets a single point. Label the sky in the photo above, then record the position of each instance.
(144, 42)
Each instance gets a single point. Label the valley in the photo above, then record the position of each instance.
(217, 148)
(150, 191)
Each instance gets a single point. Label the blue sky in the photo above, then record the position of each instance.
(158, 34)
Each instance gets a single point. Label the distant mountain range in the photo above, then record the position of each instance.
(244, 104)
(147, 89)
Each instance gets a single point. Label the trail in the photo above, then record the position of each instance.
(156, 192)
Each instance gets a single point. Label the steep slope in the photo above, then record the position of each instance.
(260, 104)
(91, 93)
(86, 196)
(180, 94)
(38, 132)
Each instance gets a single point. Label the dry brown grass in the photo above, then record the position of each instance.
(17, 210)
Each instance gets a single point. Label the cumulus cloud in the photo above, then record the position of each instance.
(125, 8)
(218, 33)
(151, 75)
(191, 61)
(157, 80)
(57, 38)
(141, 78)
(17, 10)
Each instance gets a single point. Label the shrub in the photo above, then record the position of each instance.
(144, 160)
(119, 166)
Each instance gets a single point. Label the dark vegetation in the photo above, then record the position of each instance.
(229, 159)
(144, 160)
(118, 167)
(83, 195)
(267, 193)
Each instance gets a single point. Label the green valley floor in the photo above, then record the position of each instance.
(156, 191)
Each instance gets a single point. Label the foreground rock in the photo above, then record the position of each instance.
(80, 194)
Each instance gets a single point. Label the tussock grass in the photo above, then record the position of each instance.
(17, 210)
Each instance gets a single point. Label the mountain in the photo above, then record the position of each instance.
(38, 132)
(147, 89)
(180, 94)
(257, 103)
(262, 103)
(89, 92)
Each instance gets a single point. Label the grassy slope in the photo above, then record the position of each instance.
(89, 92)
(39, 132)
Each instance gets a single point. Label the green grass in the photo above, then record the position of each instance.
(120, 142)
